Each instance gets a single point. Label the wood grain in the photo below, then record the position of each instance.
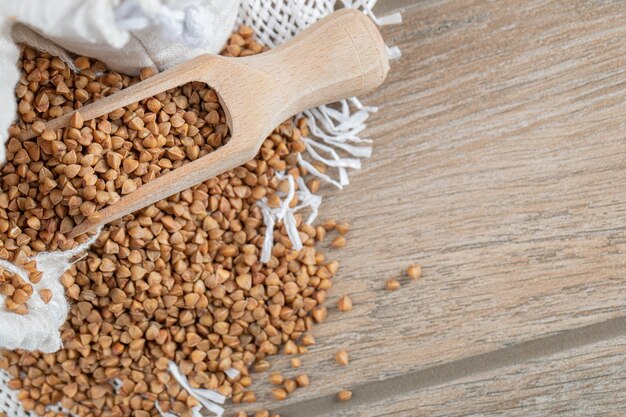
(498, 165)
(587, 381)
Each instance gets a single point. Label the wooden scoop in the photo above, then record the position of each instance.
(340, 56)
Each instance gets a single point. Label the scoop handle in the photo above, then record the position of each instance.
(340, 56)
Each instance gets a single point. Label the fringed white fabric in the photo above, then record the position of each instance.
(335, 130)
(9, 54)
(367, 6)
(39, 329)
(208, 398)
(277, 214)
(307, 199)
(286, 213)
(163, 413)
(232, 373)
(334, 141)
(195, 411)
(394, 52)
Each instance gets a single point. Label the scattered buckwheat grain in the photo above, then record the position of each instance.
(344, 395)
(414, 271)
(345, 303)
(341, 357)
(392, 284)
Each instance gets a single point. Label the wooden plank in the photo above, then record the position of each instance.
(498, 165)
(587, 381)
(562, 374)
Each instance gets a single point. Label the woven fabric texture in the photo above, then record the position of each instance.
(335, 140)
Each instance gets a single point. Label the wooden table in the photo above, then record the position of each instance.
(499, 166)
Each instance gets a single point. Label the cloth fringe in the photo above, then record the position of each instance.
(208, 398)
(334, 142)
(334, 139)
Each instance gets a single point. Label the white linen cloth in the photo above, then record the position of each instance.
(162, 34)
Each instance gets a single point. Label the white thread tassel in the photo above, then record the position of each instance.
(335, 129)
(307, 199)
(286, 214)
(392, 19)
(268, 220)
(161, 412)
(208, 398)
(273, 215)
(232, 373)
(393, 52)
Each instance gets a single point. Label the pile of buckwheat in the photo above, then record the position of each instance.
(179, 281)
